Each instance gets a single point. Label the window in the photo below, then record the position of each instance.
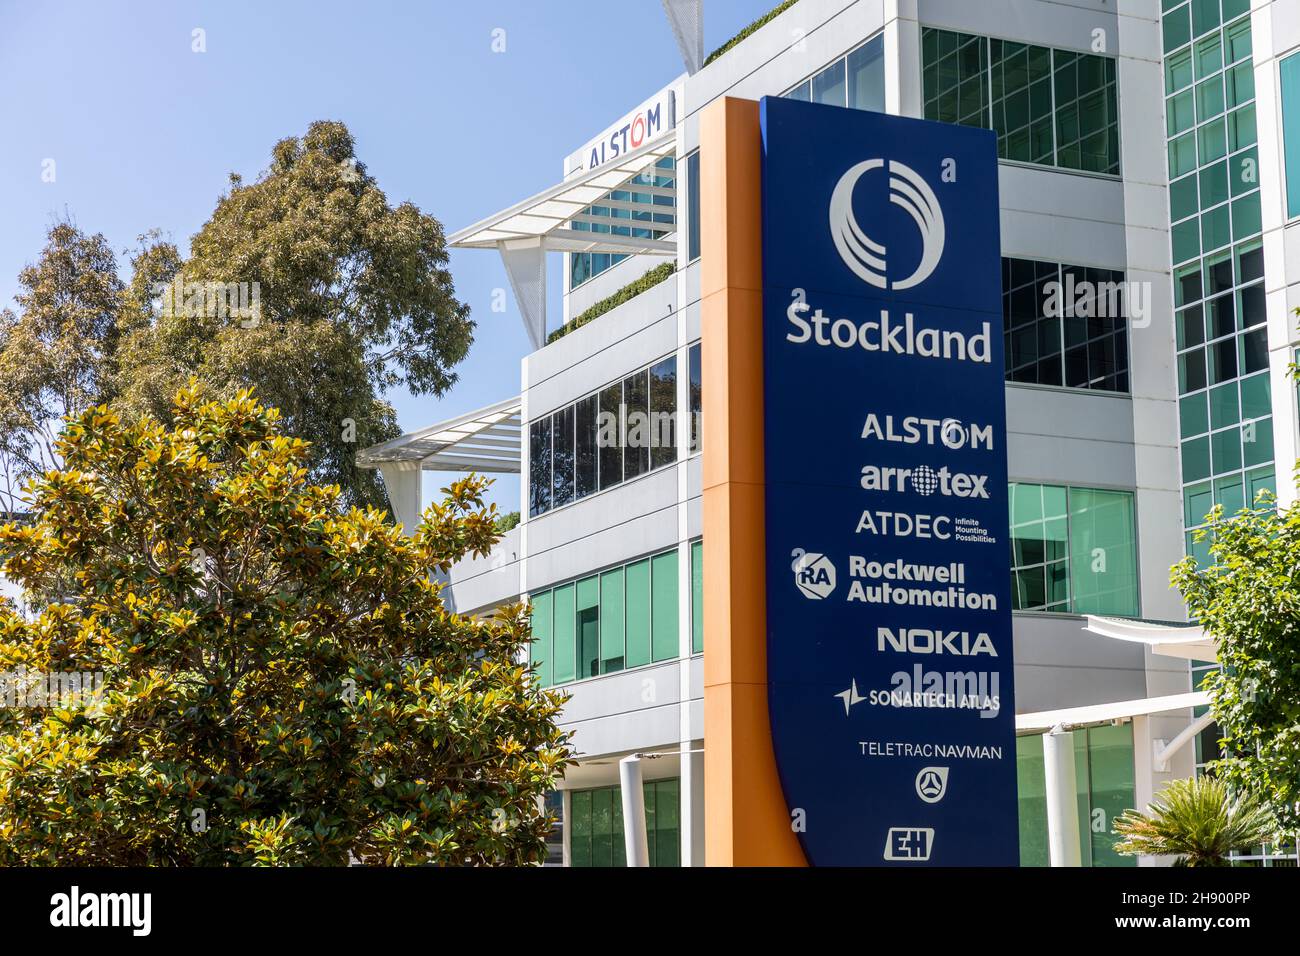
(624, 430)
(1050, 107)
(555, 836)
(1225, 402)
(1104, 787)
(697, 597)
(596, 836)
(1064, 325)
(695, 385)
(1073, 550)
(585, 265)
(693, 206)
(623, 617)
(856, 81)
(1290, 81)
(1225, 419)
(662, 423)
(539, 466)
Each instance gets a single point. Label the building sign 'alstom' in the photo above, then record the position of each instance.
(888, 582)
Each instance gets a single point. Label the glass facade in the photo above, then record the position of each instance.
(1051, 107)
(622, 431)
(1104, 786)
(856, 80)
(622, 221)
(1073, 550)
(1064, 325)
(596, 825)
(1225, 422)
(623, 617)
(1289, 71)
(1225, 403)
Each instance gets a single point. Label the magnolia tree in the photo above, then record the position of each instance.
(266, 678)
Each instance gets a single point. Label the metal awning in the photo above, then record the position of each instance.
(547, 215)
(487, 440)
(1166, 638)
(526, 231)
(1092, 714)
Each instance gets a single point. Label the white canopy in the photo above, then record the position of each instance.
(526, 231)
(545, 216)
(485, 440)
(1186, 641)
(1045, 720)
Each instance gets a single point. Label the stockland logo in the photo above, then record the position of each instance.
(868, 258)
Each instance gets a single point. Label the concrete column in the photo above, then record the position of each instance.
(633, 793)
(1062, 808)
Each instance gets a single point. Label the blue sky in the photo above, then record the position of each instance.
(144, 131)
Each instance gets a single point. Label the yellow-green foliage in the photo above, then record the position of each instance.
(284, 684)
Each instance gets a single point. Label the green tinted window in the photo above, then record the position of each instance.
(1104, 788)
(1052, 107)
(638, 613)
(1073, 549)
(611, 621)
(1103, 552)
(1290, 83)
(596, 828)
(566, 655)
(541, 648)
(664, 606)
(697, 596)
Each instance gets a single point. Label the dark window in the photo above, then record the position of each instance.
(1223, 319)
(539, 466)
(1253, 310)
(636, 426)
(663, 413)
(609, 435)
(697, 394)
(1064, 325)
(693, 206)
(1254, 346)
(585, 447)
(589, 642)
(562, 437)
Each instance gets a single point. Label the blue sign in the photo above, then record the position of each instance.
(888, 578)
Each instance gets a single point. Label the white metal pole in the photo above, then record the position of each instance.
(1062, 807)
(634, 837)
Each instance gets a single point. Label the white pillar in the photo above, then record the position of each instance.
(1062, 808)
(634, 837)
(404, 484)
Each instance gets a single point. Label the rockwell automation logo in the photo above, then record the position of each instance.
(814, 574)
(865, 256)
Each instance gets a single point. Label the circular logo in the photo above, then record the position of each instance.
(932, 783)
(864, 255)
(924, 480)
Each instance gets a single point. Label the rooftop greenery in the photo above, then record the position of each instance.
(630, 291)
(771, 14)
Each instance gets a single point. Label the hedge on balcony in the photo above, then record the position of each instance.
(771, 14)
(630, 291)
